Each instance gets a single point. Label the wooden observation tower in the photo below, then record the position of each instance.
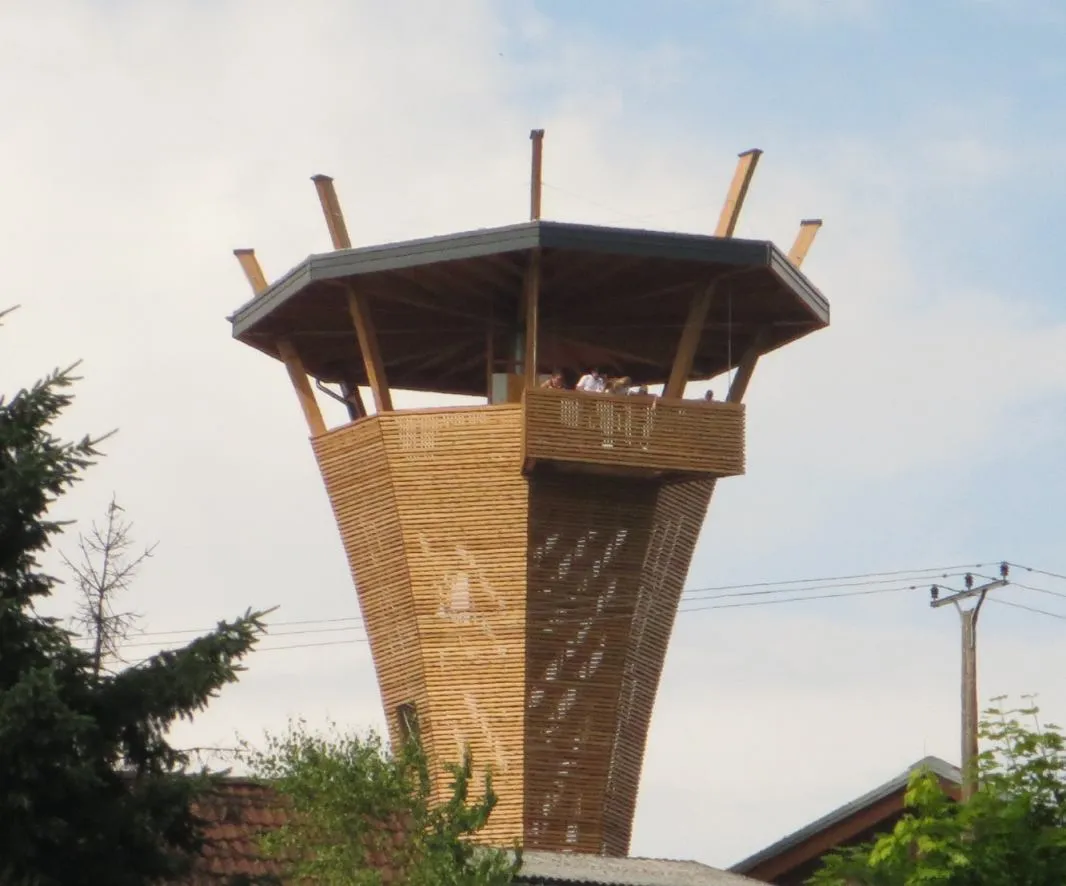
(519, 563)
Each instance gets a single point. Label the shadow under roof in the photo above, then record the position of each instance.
(613, 297)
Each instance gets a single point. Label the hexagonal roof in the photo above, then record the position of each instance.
(611, 297)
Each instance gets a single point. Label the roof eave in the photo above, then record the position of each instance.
(521, 237)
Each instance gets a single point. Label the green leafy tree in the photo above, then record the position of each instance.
(360, 814)
(1011, 833)
(90, 790)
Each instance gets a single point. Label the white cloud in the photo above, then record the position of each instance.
(149, 141)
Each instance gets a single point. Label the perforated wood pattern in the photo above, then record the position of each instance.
(523, 614)
(690, 436)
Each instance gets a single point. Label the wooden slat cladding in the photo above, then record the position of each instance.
(462, 503)
(587, 538)
(678, 515)
(635, 432)
(523, 615)
(356, 473)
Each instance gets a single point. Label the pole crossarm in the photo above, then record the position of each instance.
(970, 592)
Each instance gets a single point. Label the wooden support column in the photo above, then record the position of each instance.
(302, 386)
(286, 350)
(535, 180)
(742, 379)
(690, 339)
(331, 209)
(738, 190)
(250, 266)
(809, 228)
(532, 305)
(368, 345)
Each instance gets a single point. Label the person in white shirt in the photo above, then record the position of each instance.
(592, 382)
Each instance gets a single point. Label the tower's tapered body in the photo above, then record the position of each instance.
(519, 563)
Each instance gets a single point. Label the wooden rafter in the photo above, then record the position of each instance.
(809, 228)
(690, 339)
(331, 209)
(252, 270)
(535, 181)
(531, 298)
(359, 308)
(418, 294)
(302, 385)
(738, 190)
(739, 387)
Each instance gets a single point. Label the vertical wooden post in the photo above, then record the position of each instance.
(490, 359)
(738, 190)
(368, 345)
(535, 182)
(331, 209)
(739, 387)
(302, 386)
(809, 228)
(690, 339)
(250, 266)
(532, 300)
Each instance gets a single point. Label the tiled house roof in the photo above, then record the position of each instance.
(237, 811)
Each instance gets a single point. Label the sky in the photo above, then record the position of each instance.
(142, 142)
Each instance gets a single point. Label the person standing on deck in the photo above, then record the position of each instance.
(592, 382)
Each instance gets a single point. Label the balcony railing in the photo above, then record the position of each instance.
(641, 433)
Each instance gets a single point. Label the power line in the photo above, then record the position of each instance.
(800, 588)
(1038, 571)
(1039, 590)
(761, 588)
(804, 599)
(1002, 602)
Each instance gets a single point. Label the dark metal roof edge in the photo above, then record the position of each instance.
(523, 236)
(275, 294)
(939, 767)
(797, 281)
(667, 244)
(382, 257)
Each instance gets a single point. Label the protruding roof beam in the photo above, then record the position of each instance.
(358, 304)
(738, 190)
(809, 228)
(331, 209)
(535, 180)
(252, 270)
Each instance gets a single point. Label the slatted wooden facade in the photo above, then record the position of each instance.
(522, 611)
(639, 434)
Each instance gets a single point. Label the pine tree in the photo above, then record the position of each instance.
(91, 792)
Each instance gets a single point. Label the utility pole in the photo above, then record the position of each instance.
(969, 666)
